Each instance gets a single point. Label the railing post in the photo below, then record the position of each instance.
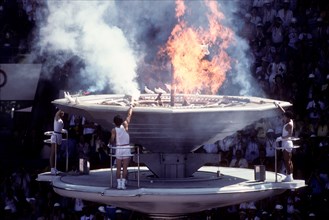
(111, 161)
(276, 165)
(138, 167)
(67, 150)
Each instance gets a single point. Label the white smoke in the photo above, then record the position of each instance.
(79, 28)
(240, 73)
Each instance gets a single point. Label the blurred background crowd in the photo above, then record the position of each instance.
(289, 41)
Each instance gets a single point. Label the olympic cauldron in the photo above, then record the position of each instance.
(171, 127)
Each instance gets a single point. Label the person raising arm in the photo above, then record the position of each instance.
(286, 143)
(121, 140)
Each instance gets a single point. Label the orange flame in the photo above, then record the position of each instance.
(195, 69)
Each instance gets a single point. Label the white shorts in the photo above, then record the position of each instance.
(56, 139)
(123, 153)
(288, 146)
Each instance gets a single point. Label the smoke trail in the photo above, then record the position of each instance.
(79, 28)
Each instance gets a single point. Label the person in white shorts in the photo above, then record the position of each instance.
(121, 140)
(287, 144)
(56, 140)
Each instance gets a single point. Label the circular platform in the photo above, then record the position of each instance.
(171, 197)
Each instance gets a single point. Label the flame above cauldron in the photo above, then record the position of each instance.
(194, 68)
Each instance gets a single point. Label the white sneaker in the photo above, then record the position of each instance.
(123, 183)
(288, 178)
(291, 177)
(54, 171)
(119, 184)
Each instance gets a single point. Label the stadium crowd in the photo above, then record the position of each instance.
(289, 40)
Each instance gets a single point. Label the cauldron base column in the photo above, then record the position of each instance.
(176, 165)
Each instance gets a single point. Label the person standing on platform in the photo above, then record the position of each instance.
(286, 143)
(121, 140)
(56, 140)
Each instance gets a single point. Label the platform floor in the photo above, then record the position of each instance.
(209, 187)
(205, 177)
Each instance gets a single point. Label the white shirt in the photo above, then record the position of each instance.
(286, 16)
(287, 145)
(252, 151)
(78, 205)
(122, 136)
(269, 15)
(315, 109)
(270, 147)
(258, 3)
(56, 137)
(277, 34)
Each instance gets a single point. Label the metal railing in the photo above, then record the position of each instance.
(48, 141)
(112, 154)
(276, 164)
(277, 147)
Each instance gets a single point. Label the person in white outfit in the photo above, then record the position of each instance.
(285, 13)
(121, 140)
(287, 144)
(56, 140)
